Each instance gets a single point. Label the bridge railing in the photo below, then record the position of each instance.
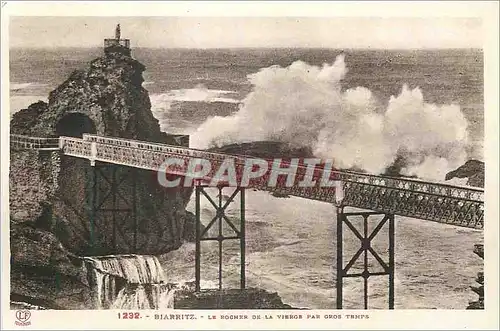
(25, 142)
(408, 184)
(152, 156)
(383, 195)
(75, 147)
(443, 203)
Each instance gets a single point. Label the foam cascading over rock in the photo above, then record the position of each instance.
(128, 281)
(145, 296)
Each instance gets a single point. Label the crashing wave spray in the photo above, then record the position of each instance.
(305, 105)
(145, 296)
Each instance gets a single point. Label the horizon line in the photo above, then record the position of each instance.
(251, 47)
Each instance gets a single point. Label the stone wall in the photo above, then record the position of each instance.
(33, 182)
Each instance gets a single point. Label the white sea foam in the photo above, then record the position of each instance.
(198, 94)
(305, 105)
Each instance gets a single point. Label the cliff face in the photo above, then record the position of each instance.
(473, 170)
(49, 192)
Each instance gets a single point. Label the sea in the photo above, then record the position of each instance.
(291, 241)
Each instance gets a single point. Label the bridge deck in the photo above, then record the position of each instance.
(457, 205)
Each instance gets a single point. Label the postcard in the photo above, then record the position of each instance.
(249, 165)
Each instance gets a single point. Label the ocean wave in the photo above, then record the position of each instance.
(198, 94)
(207, 78)
(24, 86)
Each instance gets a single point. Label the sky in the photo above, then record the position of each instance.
(234, 32)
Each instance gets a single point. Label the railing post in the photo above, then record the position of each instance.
(242, 239)
(219, 236)
(91, 199)
(339, 281)
(114, 192)
(339, 193)
(198, 238)
(340, 262)
(93, 153)
(392, 237)
(134, 206)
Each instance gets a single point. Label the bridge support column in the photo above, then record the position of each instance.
(221, 225)
(365, 237)
(108, 206)
(90, 204)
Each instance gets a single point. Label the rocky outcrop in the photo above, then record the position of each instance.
(479, 290)
(49, 192)
(250, 298)
(266, 150)
(473, 170)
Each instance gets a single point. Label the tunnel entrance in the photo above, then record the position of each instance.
(75, 125)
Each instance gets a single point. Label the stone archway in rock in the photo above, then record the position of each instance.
(75, 125)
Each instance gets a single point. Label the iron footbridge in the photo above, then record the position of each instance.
(380, 198)
(451, 204)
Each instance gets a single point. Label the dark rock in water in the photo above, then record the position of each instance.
(472, 169)
(280, 195)
(266, 150)
(250, 298)
(475, 305)
(49, 191)
(480, 278)
(479, 290)
(395, 169)
(479, 250)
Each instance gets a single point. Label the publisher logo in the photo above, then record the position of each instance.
(23, 317)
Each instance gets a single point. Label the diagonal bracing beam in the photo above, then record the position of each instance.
(219, 219)
(365, 239)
